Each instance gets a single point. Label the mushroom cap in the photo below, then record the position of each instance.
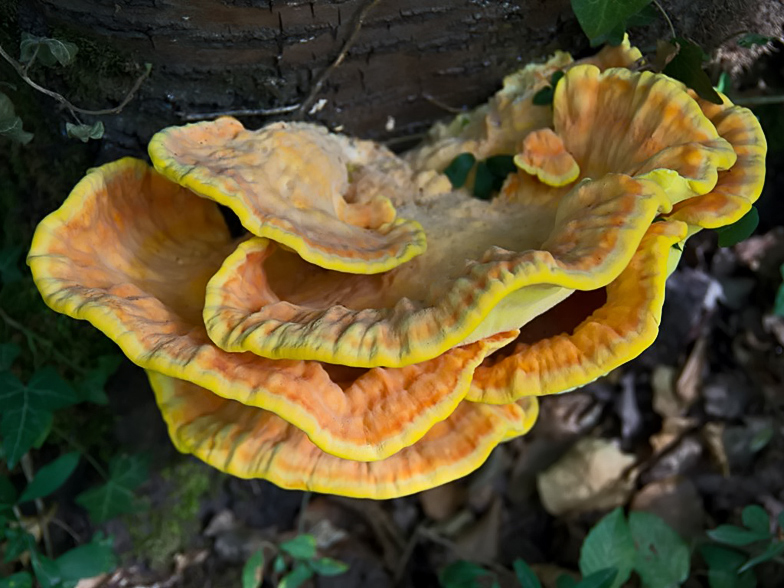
(131, 252)
(543, 155)
(523, 259)
(326, 196)
(248, 442)
(552, 356)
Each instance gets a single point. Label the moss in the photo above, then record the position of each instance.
(171, 525)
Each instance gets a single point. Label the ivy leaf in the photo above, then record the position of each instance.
(740, 230)
(599, 17)
(18, 580)
(27, 409)
(87, 561)
(253, 570)
(10, 123)
(461, 574)
(50, 477)
(601, 579)
(300, 547)
(48, 51)
(773, 550)
(778, 309)
(732, 535)
(751, 39)
(296, 577)
(609, 545)
(756, 518)
(648, 15)
(17, 542)
(723, 567)
(84, 132)
(91, 388)
(46, 570)
(686, 66)
(8, 354)
(326, 566)
(116, 496)
(565, 581)
(525, 575)
(662, 558)
(484, 182)
(457, 171)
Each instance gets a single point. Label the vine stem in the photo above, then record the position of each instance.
(29, 474)
(666, 17)
(80, 448)
(72, 108)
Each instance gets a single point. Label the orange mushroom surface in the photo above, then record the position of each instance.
(377, 332)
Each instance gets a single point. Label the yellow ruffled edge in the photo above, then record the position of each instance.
(537, 268)
(554, 180)
(164, 388)
(701, 211)
(510, 380)
(166, 166)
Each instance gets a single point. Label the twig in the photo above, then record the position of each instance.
(67, 528)
(338, 60)
(666, 17)
(442, 105)
(72, 108)
(241, 112)
(32, 337)
(29, 474)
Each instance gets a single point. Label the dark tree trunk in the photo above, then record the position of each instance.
(408, 58)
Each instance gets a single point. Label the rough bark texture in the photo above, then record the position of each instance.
(408, 59)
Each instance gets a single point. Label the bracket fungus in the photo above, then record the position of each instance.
(376, 332)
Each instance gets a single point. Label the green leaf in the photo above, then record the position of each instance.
(116, 496)
(8, 354)
(18, 580)
(84, 132)
(780, 520)
(723, 566)
(48, 51)
(565, 581)
(598, 17)
(544, 97)
(9, 264)
(686, 66)
(326, 566)
(17, 542)
(7, 494)
(501, 165)
(772, 550)
(50, 477)
(87, 561)
(609, 545)
(484, 182)
(300, 547)
(725, 82)
(461, 574)
(458, 170)
(756, 518)
(613, 38)
(46, 571)
(751, 39)
(24, 418)
(662, 558)
(300, 574)
(601, 579)
(278, 564)
(91, 388)
(253, 570)
(739, 230)
(732, 535)
(778, 304)
(525, 575)
(10, 123)
(761, 439)
(647, 16)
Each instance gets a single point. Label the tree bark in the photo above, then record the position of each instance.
(406, 63)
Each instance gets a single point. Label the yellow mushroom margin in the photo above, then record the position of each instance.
(326, 196)
(621, 328)
(131, 252)
(395, 320)
(248, 442)
(740, 186)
